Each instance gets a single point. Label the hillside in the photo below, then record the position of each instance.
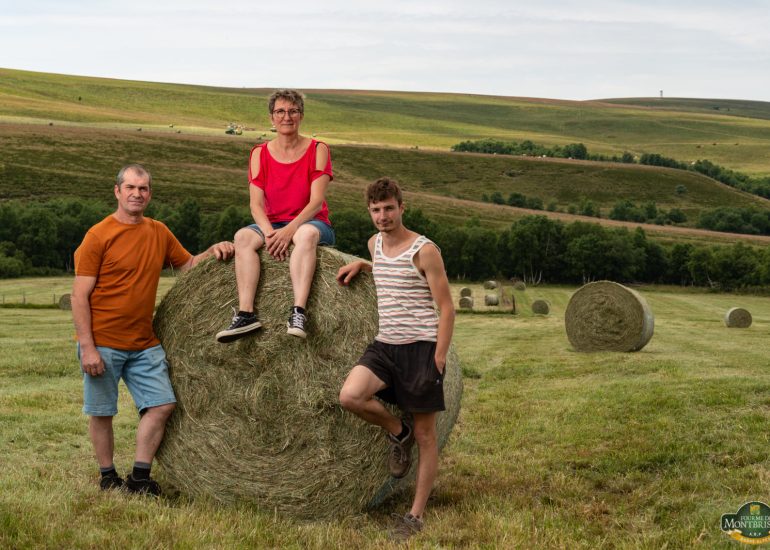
(684, 130)
(40, 162)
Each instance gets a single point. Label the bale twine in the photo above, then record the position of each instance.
(541, 307)
(606, 316)
(259, 420)
(737, 317)
(519, 285)
(465, 292)
(65, 302)
(491, 300)
(466, 302)
(490, 285)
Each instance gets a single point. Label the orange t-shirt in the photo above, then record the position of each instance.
(126, 260)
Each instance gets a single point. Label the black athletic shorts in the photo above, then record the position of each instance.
(409, 370)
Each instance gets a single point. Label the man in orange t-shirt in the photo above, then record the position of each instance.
(117, 268)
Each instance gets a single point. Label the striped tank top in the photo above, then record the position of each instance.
(404, 301)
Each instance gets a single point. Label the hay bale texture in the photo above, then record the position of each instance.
(259, 420)
(607, 316)
(491, 300)
(65, 302)
(520, 285)
(737, 317)
(466, 302)
(490, 285)
(465, 292)
(541, 307)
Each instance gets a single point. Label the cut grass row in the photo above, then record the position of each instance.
(406, 119)
(553, 448)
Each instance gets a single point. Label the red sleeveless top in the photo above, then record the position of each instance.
(287, 185)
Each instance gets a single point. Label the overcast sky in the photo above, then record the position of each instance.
(586, 49)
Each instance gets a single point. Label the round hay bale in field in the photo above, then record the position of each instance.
(65, 302)
(466, 302)
(541, 307)
(737, 317)
(607, 316)
(519, 285)
(465, 292)
(491, 300)
(490, 285)
(258, 420)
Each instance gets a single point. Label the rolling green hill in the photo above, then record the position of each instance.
(686, 130)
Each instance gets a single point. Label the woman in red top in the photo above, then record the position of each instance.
(288, 177)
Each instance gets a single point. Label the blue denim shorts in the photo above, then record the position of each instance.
(144, 372)
(326, 231)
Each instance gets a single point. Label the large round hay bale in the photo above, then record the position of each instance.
(259, 420)
(737, 317)
(65, 302)
(465, 292)
(519, 285)
(607, 316)
(466, 302)
(541, 307)
(490, 285)
(491, 300)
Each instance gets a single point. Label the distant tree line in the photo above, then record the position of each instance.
(744, 182)
(41, 238)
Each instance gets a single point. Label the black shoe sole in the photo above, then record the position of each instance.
(226, 336)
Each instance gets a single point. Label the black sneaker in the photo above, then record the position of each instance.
(296, 324)
(142, 486)
(110, 481)
(240, 327)
(400, 456)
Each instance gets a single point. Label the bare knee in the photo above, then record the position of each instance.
(350, 400)
(246, 239)
(161, 413)
(306, 237)
(425, 435)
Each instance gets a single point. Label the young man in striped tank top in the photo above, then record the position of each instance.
(405, 363)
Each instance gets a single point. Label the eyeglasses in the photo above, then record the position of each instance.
(280, 113)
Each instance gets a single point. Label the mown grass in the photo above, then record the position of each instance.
(44, 162)
(402, 119)
(553, 449)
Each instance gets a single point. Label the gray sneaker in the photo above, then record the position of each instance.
(240, 326)
(405, 526)
(400, 456)
(296, 324)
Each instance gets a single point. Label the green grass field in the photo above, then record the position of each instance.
(553, 448)
(684, 129)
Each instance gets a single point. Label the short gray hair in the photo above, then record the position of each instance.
(292, 96)
(137, 169)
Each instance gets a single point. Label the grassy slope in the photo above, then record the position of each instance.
(396, 118)
(43, 161)
(553, 449)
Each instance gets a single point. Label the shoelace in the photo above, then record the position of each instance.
(297, 319)
(398, 451)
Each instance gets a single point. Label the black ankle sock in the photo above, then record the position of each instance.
(404, 432)
(141, 470)
(247, 314)
(109, 470)
(298, 310)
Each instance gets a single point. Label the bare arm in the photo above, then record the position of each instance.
(429, 261)
(347, 272)
(221, 251)
(90, 360)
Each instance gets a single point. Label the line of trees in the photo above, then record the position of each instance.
(739, 180)
(40, 239)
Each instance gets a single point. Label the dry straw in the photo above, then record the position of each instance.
(607, 316)
(519, 285)
(466, 302)
(541, 307)
(737, 317)
(258, 420)
(65, 302)
(490, 285)
(491, 300)
(465, 292)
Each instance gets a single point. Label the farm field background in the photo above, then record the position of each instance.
(553, 448)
